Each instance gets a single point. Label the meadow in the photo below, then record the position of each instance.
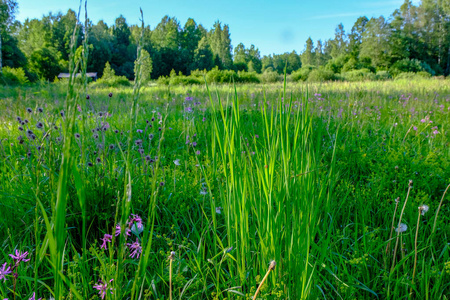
(331, 190)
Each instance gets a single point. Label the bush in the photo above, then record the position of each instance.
(12, 76)
(247, 77)
(110, 79)
(412, 75)
(321, 75)
(383, 75)
(220, 76)
(410, 66)
(358, 75)
(302, 73)
(270, 76)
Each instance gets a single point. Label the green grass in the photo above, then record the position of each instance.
(276, 173)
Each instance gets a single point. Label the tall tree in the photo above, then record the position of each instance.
(7, 15)
(308, 54)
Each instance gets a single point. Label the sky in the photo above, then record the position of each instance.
(272, 26)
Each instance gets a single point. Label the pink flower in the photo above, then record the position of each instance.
(118, 230)
(102, 288)
(33, 297)
(4, 271)
(19, 257)
(135, 249)
(106, 239)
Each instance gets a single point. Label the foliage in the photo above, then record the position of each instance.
(12, 76)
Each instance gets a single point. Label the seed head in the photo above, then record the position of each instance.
(88, 97)
(272, 265)
(423, 209)
(39, 125)
(110, 95)
(77, 135)
(401, 228)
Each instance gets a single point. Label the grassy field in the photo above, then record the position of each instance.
(332, 190)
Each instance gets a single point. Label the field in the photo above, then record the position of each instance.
(333, 190)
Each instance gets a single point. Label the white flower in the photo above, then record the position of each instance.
(423, 209)
(219, 210)
(401, 228)
(176, 162)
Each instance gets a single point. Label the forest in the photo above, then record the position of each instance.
(412, 39)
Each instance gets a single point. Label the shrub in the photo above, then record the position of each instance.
(358, 75)
(410, 66)
(247, 77)
(220, 76)
(110, 79)
(302, 73)
(412, 75)
(383, 75)
(321, 75)
(13, 76)
(269, 76)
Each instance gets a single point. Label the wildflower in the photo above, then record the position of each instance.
(141, 151)
(33, 297)
(26, 121)
(153, 119)
(110, 95)
(102, 288)
(19, 257)
(39, 125)
(204, 119)
(148, 158)
(19, 119)
(194, 144)
(106, 239)
(62, 113)
(423, 209)
(135, 249)
(138, 142)
(98, 160)
(119, 230)
(176, 162)
(139, 131)
(90, 164)
(172, 255)
(161, 183)
(401, 228)
(77, 135)
(159, 129)
(415, 128)
(116, 131)
(20, 128)
(4, 271)
(219, 210)
(198, 152)
(29, 110)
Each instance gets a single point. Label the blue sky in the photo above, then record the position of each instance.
(272, 27)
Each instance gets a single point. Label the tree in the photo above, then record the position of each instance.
(45, 63)
(220, 42)
(308, 54)
(203, 56)
(8, 9)
(375, 42)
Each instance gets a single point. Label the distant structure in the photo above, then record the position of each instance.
(92, 75)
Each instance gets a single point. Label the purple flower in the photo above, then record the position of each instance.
(102, 288)
(198, 152)
(135, 249)
(194, 144)
(119, 229)
(189, 98)
(139, 131)
(19, 257)
(33, 297)
(189, 109)
(4, 271)
(415, 128)
(106, 239)
(204, 119)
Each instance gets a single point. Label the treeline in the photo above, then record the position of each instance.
(413, 39)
